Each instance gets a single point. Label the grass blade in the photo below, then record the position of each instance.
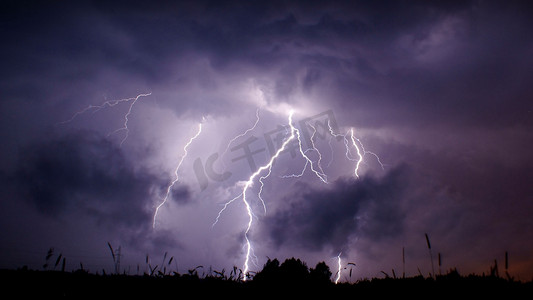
(112, 251)
(430, 255)
(506, 260)
(58, 260)
(50, 253)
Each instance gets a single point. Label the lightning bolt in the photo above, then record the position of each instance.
(359, 148)
(294, 134)
(360, 156)
(247, 185)
(339, 268)
(262, 173)
(244, 133)
(315, 149)
(176, 175)
(320, 172)
(111, 103)
(365, 152)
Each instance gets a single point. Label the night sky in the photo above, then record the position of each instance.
(439, 98)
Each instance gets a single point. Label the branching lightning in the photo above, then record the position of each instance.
(247, 185)
(264, 172)
(320, 172)
(133, 101)
(316, 150)
(359, 149)
(371, 153)
(355, 152)
(125, 124)
(176, 175)
(111, 103)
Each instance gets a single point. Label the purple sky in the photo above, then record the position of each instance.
(441, 93)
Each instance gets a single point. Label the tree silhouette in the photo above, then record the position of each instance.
(270, 272)
(293, 271)
(320, 274)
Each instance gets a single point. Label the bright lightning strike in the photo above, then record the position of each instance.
(359, 148)
(371, 153)
(176, 175)
(360, 159)
(248, 184)
(267, 169)
(346, 144)
(111, 103)
(339, 268)
(316, 150)
(320, 172)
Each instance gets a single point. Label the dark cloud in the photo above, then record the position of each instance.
(86, 172)
(181, 194)
(422, 63)
(315, 218)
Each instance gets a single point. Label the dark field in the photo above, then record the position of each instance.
(274, 280)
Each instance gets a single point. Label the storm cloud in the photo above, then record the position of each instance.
(441, 92)
(84, 171)
(315, 217)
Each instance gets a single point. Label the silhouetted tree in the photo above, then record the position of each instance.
(291, 271)
(294, 270)
(320, 274)
(269, 273)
